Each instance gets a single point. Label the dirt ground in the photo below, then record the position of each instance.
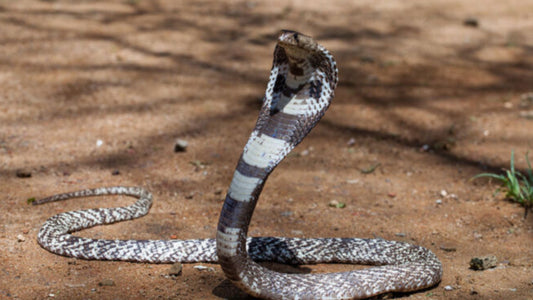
(88, 88)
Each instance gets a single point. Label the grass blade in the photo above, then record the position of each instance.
(496, 176)
(529, 171)
(518, 187)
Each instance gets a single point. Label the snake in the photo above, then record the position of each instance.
(301, 86)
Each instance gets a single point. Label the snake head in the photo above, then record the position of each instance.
(296, 49)
(297, 45)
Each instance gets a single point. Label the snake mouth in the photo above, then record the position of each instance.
(297, 44)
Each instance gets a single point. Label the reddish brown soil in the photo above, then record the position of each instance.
(433, 101)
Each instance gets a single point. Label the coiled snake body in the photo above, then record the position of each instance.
(302, 80)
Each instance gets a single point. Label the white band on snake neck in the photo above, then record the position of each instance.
(261, 150)
(242, 186)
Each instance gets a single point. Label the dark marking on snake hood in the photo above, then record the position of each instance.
(315, 88)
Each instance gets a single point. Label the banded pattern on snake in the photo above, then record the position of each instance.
(300, 89)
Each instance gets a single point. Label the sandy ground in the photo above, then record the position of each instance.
(430, 99)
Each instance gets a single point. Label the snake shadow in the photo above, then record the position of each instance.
(227, 290)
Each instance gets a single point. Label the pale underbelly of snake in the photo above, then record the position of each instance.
(300, 89)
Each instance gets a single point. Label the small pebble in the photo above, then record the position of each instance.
(287, 213)
(438, 201)
(106, 282)
(304, 153)
(337, 204)
(115, 172)
(526, 114)
(400, 234)
(23, 173)
(392, 195)
(99, 143)
(175, 269)
(526, 99)
(351, 142)
(448, 288)
(472, 22)
(202, 268)
(443, 193)
(20, 238)
(483, 262)
(527, 96)
(180, 145)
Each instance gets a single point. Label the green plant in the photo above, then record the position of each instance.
(518, 187)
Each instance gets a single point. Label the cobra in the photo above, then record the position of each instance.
(300, 89)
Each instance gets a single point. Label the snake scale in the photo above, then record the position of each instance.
(302, 80)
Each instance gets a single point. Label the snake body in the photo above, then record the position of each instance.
(300, 89)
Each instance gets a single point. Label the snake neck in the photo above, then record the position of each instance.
(299, 91)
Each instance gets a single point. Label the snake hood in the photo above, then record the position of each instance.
(300, 89)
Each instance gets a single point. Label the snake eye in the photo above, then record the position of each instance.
(296, 37)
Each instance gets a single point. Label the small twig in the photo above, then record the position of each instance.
(370, 169)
